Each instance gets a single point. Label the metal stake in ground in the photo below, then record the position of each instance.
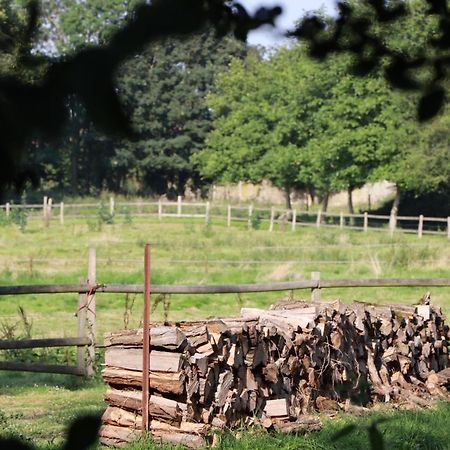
(146, 338)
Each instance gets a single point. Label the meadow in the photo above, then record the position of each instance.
(191, 252)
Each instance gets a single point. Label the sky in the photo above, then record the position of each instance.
(292, 11)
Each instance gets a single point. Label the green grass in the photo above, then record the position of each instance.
(40, 406)
(190, 253)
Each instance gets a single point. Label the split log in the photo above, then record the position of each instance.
(170, 338)
(113, 435)
(131, 359)
(276, 408)
(164, 382)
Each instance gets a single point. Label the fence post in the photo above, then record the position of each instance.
(250, 213)
(319, 218)
(294, 219)
(229, 216)
(420, 227)
(207, 213)
(272, 217)
(341, 220)
(159, 209)
(81, 316)
(392, 223)
(366, 221)
(61, 213)
(179, 200)
(90, 312)
(8, 209)
(49, 208)
(111, 206)
(44, 210)
(448, 227)
(315, 292)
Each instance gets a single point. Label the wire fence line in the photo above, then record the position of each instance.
(234, 262)
(278, 217)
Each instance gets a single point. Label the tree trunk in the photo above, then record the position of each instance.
(351, 210)
(325, 199)
(287, 193)
(394, 210)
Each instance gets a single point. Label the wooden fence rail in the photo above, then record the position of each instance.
(419, 225)
(85, 342)
(222, 288)
(88, 288)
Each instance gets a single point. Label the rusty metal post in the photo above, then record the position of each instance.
(146, 343)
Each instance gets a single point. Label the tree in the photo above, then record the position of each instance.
(300, 123)
(41, 108)
(378, 35)
(260, 122)
(168, 107)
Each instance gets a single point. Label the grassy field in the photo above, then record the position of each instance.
(192, 253)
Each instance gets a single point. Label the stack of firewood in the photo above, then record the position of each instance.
(273, 367)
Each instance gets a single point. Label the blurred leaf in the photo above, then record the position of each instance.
(431, 103)
(83, 433)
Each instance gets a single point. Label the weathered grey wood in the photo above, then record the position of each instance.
(81, 329)
(272, 217)
(179, 203)
(420, 227)
(315, 292)
(113, 435)
(43, 368)
(164, 382)
(131, 359)
(224, 288)
(250, 214)
(122, 418)
(52, 342)
(276, 408)
(166, 337)
(319, 218)
(183, 439)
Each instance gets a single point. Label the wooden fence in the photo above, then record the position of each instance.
(84, 341)
(254, 217)
(87, 289)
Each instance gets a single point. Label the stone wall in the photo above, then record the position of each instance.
(266, 193)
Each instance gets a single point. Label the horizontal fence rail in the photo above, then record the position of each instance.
(50, 342)
(253, 216)
(223, 288)
(41, 368)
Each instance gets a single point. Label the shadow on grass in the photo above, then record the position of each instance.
(405, 430)
(10, 381)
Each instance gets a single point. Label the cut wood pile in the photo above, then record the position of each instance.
(274, 367)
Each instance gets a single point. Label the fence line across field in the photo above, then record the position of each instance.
(85, 341)
(250, 214)
(81, 288)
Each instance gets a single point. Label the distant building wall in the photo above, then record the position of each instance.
(266, 193)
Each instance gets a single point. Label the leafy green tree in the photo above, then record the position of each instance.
(261, 121)
(164, 89)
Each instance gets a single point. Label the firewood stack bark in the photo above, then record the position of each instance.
(273, 367)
